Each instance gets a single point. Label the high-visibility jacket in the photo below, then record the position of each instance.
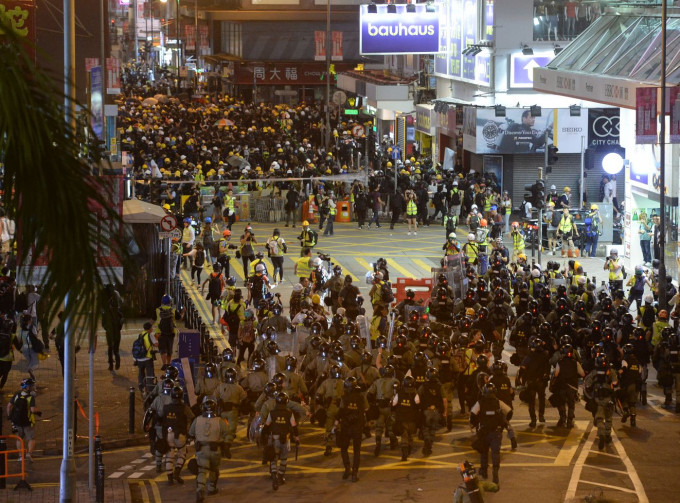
(614, 273)
(304, 268)
(229, 202)
(470, 250)
(488, 202)
(566, 225)
(411, 208)
(517, 242)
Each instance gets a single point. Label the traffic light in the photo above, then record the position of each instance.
(539, 194)
(552, 155)
(529, 194)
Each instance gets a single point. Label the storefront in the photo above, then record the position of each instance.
(426, 130)
(449, 149)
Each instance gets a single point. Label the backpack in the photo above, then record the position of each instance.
(208, 240)
(165, 324)
(246, 332)
(273, 246)
(555, 221)
(649, 316)
(5, 343)
(588, 222)
(386, 294)
(523, 209)
(21, 302)
(200, 258)
(138, 347)
(455, 198)
(231, 317)
(19, 413)
(215, 286)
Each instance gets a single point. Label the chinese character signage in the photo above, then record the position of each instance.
(21, 16)
(424, 116)
(113, 75)
(282, 73)
(203, 37)
(675, 115)
(645, 117)
(401, 32)
(320, 45)
(190, 37)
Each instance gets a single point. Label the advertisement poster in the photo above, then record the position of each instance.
(97, 101)
(645, 118)
(401, 32)
(675, 115)
(603, 126)
(517, 133)
(455, 43)
(21, 16)
(469, 36)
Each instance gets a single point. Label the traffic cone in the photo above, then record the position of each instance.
(577, 252)
(570, 254)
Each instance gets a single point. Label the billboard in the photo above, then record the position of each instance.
(400, 32)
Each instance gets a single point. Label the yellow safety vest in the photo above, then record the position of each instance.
(615, 275)
(279, 247)
(487, 203)
(332, 211)
(304, 269)
(566, 225)
(411, 208)
(508, 208)
(470, 250)
(517, 242)
(229, 202)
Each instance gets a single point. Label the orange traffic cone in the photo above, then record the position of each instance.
(570, 254)
(577, 253)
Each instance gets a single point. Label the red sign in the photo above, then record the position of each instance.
(113, 75)
(90, 63)
(282, 73)
(190, 37)
(675, 114)
(21, 16)
(336, 45)
(320, 45)
(645, 121)
(203, 36)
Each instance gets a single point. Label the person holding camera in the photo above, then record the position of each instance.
(614, 265)
(567, 230)
(247, 250)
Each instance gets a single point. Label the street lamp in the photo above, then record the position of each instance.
(328, 75)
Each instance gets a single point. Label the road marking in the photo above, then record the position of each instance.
(147, 468)
(566, 454)
(658, 407)
(116, 475)
(608, 486)
(578, 466)
(154, 489)
(137, 461)
(393, 263)
(632, 473)
(345, 270)
(362, 262)
(136, 475)
(424, 266)
(605, 469)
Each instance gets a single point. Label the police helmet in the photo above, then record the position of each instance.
(489, 389)
(382, 341)
(230, 375)
(350, 383)
(210, 370)
(567, 351)
(432, 374)
(209, 407)
(366, 358)
(335, 372)
(270, 389)
(167, 385)
(408, 382)
(291, 363)
(419, 359)
(177, 393)
(482, 361)
(388, 371)
(354, 342)
(324, 349)
(228, 355)
(258, 364)
(282, 399)
(273, 348)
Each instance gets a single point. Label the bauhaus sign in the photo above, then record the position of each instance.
(400, 32)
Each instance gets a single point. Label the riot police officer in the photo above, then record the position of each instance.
(328, 396)
(282, 422)
(210, 432)
(381, 393)
(207, 385)
(175, 419)
(156, 409)
(295, 385)
(534, 373)
(567, 372)
(631, 380)
(351, 417)
(230, 394)
(600, 386)
(406, 406)
(434, 407)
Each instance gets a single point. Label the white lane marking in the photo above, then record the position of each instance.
(116, 475)
(138, 461)
(632, 473)
(660, 408)
(147, 468)
(126, 468)
(147, 455)
(136, 475)
(578, 466)
(605, 469)
(616, 488)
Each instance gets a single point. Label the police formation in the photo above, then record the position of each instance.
(396, 376)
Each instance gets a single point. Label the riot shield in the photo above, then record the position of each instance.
(364, 329)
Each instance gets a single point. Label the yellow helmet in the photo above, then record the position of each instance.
(305, 223)
(567, 189)
(316, 299)
(522, 256)
(594, 207)
(551, 204)
(389, 164)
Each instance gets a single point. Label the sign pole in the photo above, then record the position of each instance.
(168, 242)
(663, 301)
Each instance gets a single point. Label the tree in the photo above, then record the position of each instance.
(49, 187)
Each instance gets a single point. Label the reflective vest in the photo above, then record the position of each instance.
(615, 274)
(517, 242)
(229, 202)
(487, 203)
(566, 225)
(332, 210)
(308, 238)
(224, 246)
(508, 208)
(304, 269)
(411, 208)
(470, 250)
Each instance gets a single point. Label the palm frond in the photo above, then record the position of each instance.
(49, 189)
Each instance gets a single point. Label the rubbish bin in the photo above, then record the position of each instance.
(343, 212)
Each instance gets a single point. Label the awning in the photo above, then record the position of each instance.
(613, 57)
(222, 58)
(140, 212)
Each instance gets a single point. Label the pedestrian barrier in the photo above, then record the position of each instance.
(5, 453)
(343, 211)
(267, 209)
(421, 288)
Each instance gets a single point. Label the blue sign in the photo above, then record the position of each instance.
(97, 101)
(522, 68)
(400, 32)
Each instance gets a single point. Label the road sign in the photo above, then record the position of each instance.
(339, 98)
(174, 233)
(358, 130)
(168, 223)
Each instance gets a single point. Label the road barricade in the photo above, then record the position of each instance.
(421, 287)
(13, 469)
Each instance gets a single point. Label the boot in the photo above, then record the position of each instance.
(328, 450)
(608, 439)
(483, 472)
(199, 496)
(624, 417)
(117, 362)
(404, 453)
(394, 443)
(532, 423)
(600, 444)
(643, 397)
(176, 476)
(226, 452)
(427, 448)
(562, 422)
(513, 443)
(355, 475)
(570, 423)
(494, 475)
(159, 467)
(282, 479)
(347, 473)
(171, 481)
(541, 418)
(367, 432)
(668, 401)
(632, 420)
(275, 481)
(449, 423)
(378, 442)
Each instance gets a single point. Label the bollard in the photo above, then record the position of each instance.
(132, 411)
(100, 474)
(3, 448)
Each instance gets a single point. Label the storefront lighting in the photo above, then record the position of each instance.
(500, 111)
(429, 7)
(612, 163)
(574, 111)
(391, 8)
(372, 8)
(535, 111)
(527, 51)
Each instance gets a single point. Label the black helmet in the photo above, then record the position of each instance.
(366, 358)
(277, 309)
(230, 375)
(167, 386)
(561, 290)
(565, 340)
(580, 306)
(426, 333)
(279, 379)
(566, 320)
(607, 334)
(210, 370)
(337, 319)
(628, 349)
(482, 361)
(401, 340)
(482, 313)
(489, 389)
(410, 294)
(463, 341)
(350, 383)
(316, 328)
(419, 359)
(432, 374)
(640, 333)
(270, 389)
(177, 394)
(324, 349)
(408, 382)
(335, 372)
(534, 343)
(382, 341)
(282, 399)
(171, 373)
(432, 342)
(354, 342)
(561, 304)
(601, 362)
(545, 329)
(443, 348)
(499, 367)
(209, 407)
(441, 278)
(258, 364)
(228, 355)
(273, 348)
(338, 354)
(291, 363)
(351, 329)
(567, 351)
(315, 342)
(388, 370)
(596, 327)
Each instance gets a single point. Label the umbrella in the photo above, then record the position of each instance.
(236, 160)
(148, 102)
(162, 98)
(224, 122)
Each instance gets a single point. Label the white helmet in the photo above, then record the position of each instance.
(378, 276)
(260, 268)
(552, 187)
(315, 262)
(535, 273)
(452, 235)
(471, 237)
(474, 207)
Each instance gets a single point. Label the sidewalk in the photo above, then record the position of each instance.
(117, 491)
(111, 395)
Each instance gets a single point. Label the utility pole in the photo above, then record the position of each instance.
(328, 76)
(67, 472)
(663, 301)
